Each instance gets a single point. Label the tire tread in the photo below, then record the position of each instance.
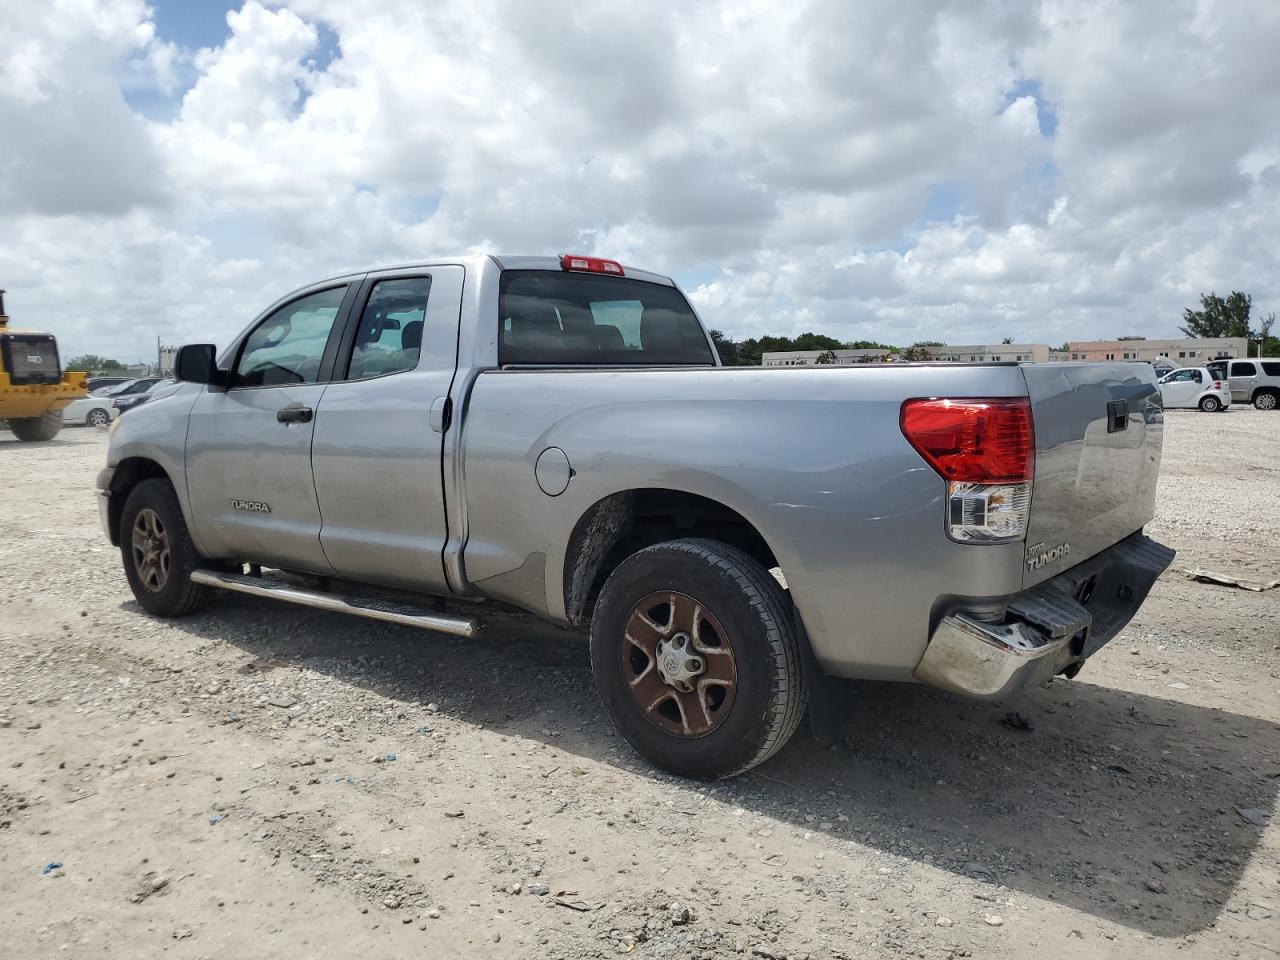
(159, 492)
(772, 605)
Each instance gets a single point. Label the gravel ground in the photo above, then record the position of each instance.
(269, 781)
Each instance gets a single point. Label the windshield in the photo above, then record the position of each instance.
(557, 317)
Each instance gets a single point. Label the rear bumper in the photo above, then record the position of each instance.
(1050, 629)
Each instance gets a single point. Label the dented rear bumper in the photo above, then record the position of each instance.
(1050, 629)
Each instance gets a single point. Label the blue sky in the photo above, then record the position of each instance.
(192, 23)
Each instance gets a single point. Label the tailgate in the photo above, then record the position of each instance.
(1097, 432)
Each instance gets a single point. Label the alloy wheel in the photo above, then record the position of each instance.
(678, 664)
(150, 545)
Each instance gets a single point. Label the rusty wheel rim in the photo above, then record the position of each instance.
(678, 664)
(150, 546)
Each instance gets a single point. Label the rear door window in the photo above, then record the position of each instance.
(389, 337)
(554, 317)
(1242, 368)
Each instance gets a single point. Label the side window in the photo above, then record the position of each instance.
(1240, 368)
(1182, 376)
(287, 347)
(389, 337)
(1197, 376)
(1271, 369)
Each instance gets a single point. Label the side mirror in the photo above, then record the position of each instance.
(196, 363)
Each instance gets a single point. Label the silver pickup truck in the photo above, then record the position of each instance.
(558, 433)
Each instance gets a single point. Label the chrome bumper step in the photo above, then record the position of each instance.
(403, 614)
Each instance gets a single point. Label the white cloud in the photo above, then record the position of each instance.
(872, 170)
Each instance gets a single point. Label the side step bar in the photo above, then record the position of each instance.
(336, 603)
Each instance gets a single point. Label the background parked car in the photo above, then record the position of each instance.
(106, 383)
(130, 387)
(135, 398)
(90, 411)
(1254, 380)
(1195, 387)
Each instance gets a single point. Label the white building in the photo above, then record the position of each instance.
(1180, 353)
(984, 352)
(807, 358)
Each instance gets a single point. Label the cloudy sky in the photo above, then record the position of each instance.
(878, 170)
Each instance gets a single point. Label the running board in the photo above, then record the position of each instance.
(336, 603)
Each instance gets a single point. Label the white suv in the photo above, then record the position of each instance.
(1253, 380)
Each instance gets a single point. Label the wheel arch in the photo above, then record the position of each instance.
(128, 474)
(620, 524)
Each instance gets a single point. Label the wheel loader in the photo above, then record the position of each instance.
(33, 388)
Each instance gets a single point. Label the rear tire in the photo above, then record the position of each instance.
(745, 697)
(1265, 400)
(1210, 404)
(157, 551)
(43, 427)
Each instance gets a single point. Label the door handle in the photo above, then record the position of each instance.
(441, 410)
(295, 413)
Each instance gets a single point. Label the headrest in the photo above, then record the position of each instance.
(659, 330)
(411, 336)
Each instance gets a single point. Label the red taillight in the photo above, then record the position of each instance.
(973, 441)
(573, 261)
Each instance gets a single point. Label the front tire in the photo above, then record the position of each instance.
(1210, 404)
(697, 659)
(43, 427)
(158, 554)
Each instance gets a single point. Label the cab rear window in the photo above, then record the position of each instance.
(552, 317)
(30, 358)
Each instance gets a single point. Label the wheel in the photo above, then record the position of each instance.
(1210, 404)
(43, 427)
(97, 417)
(697, 659)
(158, 554)
(1263, 400)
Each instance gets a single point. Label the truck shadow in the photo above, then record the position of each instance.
(1116, 804)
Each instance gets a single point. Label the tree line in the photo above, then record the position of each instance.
(750, 352)
(1217, 317)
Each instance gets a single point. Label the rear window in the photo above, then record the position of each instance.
(1271, 369)
(31, 358)
(555, 317)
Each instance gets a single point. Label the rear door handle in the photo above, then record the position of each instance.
(441, 414)
(295, 413)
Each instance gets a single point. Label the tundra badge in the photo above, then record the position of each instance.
(1038, 555)
(253, 506)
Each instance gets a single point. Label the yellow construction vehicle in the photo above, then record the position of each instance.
(33, 388)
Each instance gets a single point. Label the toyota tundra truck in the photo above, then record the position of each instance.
(558, 433)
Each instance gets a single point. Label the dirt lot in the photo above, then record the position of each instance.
(269, 781)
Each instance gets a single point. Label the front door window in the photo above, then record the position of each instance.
(288, 346)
